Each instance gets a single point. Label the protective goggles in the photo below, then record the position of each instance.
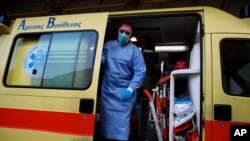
(124, 31)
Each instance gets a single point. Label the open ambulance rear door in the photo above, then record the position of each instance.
(49, 72)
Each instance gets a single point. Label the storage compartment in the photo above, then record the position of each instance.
(184, 106)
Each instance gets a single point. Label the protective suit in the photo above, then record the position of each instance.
(124, 67)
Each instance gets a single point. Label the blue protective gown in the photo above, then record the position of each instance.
(124, 67)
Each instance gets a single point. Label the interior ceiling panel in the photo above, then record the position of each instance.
(30, 8)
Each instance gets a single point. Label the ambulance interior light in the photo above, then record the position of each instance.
(171, 48)
(133, 39)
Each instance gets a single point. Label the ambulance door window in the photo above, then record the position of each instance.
(54, 60)
(236, 66)
(25, 67)
(70, 59)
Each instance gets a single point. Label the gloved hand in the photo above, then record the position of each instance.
(126, 94)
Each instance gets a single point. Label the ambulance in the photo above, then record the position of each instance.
(51, 73)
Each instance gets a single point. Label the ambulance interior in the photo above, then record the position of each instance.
(170, 44)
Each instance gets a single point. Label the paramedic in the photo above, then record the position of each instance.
(124, 72)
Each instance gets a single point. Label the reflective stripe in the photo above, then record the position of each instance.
(49, 121)
(219, 130)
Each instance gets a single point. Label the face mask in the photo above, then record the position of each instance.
(122, 38)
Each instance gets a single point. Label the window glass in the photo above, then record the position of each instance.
(236, 66)
(56, 60)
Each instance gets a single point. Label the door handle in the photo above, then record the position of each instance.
(222, 112)
(86, 106)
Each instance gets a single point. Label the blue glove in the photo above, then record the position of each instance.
(126, 94)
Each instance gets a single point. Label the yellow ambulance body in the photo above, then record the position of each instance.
(50, 70)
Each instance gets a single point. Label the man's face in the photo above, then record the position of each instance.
(124, 29)
(124, 34)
